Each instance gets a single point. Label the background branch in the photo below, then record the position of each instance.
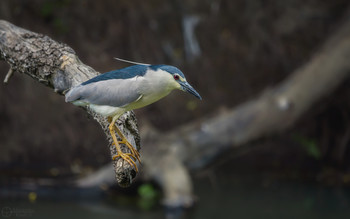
(195, 145)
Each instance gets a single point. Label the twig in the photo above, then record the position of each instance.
(8, 75)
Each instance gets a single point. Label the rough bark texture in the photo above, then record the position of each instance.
(57, 66)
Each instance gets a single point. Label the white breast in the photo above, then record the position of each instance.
(105, 110)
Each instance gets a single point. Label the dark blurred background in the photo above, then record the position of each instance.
(230, 51)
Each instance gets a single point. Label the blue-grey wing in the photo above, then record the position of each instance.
(112, 92)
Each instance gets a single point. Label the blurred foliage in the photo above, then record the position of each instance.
(48, 7)
(148, 196)
(309, 146)
(32, 196)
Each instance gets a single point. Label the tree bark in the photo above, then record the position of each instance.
(57, 66)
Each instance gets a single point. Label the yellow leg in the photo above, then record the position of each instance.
(134, 153)
(127, 143)
(125, 156)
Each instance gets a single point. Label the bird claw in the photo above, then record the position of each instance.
(132, 149)
(127, 158)
(135, 154)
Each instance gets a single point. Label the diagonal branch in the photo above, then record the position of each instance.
(57, 66)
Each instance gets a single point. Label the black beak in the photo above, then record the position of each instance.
(189, 89)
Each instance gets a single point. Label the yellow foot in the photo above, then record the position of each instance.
(127, 158)
(127, 143)
(135, 154)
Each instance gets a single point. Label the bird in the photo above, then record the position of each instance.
(113, 93)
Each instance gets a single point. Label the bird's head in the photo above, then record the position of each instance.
(177, 79)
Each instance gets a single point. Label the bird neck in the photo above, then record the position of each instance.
(159, 82)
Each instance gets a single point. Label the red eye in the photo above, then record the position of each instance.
(176, 77)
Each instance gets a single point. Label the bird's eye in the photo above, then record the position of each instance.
(176, 77)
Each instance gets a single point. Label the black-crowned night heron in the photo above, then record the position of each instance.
(113, 93)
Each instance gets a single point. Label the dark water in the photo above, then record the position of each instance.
(273, 200)
(251, 199)
(67, 210)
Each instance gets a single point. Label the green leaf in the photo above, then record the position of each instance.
(309, 146)
(148, 196)
(147, 191)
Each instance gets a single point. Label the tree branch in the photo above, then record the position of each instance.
(57, 66)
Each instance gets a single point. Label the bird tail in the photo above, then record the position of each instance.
(71, 95)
